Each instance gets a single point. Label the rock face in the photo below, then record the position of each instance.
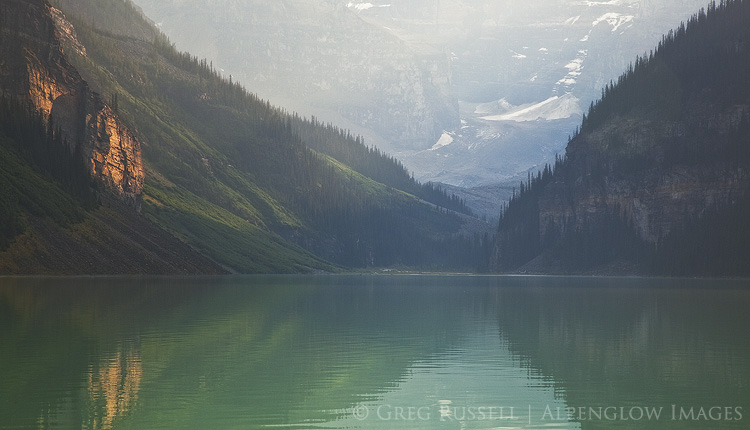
(654, 198)
(34, 69)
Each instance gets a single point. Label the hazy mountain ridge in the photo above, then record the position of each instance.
(524, 53)
(319, 58)
(657, 179)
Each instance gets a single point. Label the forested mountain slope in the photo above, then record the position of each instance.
(221, 174)
(656, 179)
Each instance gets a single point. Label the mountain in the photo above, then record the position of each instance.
(124, 155)
(655, 180)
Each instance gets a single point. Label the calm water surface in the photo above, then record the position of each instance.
(374, 352)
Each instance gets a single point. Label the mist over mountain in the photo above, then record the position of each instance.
(121, 154)
(402, 73)
(521, 54)
(319, 58)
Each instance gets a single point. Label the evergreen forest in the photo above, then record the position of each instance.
(677, 119)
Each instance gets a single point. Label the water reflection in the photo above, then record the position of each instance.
(366, 352)
(637, 343)
(113, 386)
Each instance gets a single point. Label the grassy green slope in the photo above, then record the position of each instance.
(44, 230)
(191, 189)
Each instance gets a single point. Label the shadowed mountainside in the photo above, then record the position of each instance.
(655, 180)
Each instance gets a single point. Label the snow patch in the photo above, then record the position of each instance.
(566, 81)
(495, 107)
(364, 6)
(517, 55)
(572, 20)
(602, 3)
(616, 20)
(575, 66)
(553, 108)
(574, 70)
(445, 139)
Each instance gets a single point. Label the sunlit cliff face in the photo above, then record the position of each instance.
(113, 386)
(42, 89)
(35, 69)
(116, 155)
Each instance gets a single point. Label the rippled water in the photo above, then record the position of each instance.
(374, 352)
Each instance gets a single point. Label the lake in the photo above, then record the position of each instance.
(374, 352)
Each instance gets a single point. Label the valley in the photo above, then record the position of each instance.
(468, 53)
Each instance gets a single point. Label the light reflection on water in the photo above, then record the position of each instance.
(113, 386)
(372, 352)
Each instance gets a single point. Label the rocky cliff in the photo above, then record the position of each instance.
(34, 69)
(652, 196)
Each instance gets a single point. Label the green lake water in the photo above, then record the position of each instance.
(374, 352)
